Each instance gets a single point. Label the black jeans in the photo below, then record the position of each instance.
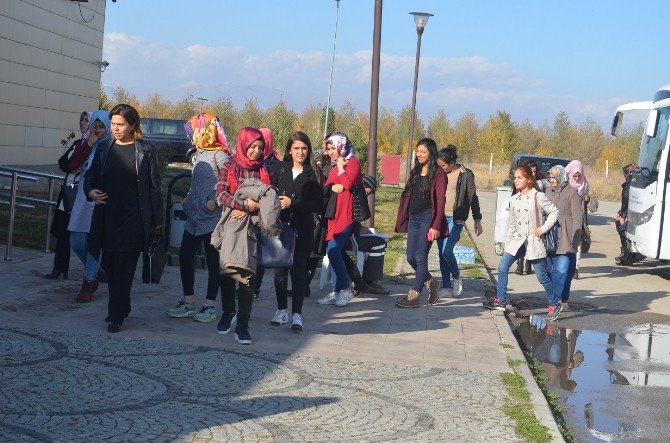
(59, 230)
(189, 246)
(303, 250)
(120, 268)
(245, 298)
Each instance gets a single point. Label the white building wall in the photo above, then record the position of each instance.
(50, 56)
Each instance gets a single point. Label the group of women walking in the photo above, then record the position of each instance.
(237, 196)
(533, 213)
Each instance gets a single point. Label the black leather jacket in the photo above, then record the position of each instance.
(148, 186)
(466, 196)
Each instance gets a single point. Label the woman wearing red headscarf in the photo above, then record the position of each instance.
(247, 163)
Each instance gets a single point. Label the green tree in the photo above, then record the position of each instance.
(465, 137)
(225, 110)
(498, 136)
(156, 106)
(440, 129)
(282, 122)
(251, 114)
(103, 100)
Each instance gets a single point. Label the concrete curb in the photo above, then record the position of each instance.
(537, 398)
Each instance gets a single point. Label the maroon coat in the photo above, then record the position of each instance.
(437, 201)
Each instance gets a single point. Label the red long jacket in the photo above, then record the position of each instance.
(344, 208)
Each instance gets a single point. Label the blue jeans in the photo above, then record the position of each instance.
(334, 251)
(541, 273)
(418, 247)
(79, 242)
(562, 269)
(445, 252)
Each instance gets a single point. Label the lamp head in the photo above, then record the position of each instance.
(421, 20)
(103, 65)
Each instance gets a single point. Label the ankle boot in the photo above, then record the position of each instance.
(88, 287)
(529, 270)
(411, 300)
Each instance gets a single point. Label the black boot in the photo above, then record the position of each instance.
(621, 255)
(529, 270)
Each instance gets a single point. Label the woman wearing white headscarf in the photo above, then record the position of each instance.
(577, 179)
(342, 178)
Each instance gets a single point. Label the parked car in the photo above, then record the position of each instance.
(544, 164)
(169, 136)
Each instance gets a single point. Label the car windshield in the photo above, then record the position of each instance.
(651, 148)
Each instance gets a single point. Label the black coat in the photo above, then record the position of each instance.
(148, 186)
(305, 193)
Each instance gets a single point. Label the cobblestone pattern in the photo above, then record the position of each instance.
(67, 387)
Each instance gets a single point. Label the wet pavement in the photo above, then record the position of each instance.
(615, 386)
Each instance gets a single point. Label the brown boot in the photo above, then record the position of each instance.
(88, 287)
(411, 300)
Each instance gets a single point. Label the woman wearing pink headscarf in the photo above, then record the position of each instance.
(577, 178)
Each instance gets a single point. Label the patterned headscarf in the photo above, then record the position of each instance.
(559, 173)
(582, 185)
(342, 143)
(206, 132)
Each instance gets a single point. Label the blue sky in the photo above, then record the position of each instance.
(529, 58)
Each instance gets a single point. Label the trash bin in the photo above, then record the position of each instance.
(503, 194)
(177, 223)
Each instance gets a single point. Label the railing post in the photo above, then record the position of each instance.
(12, 211)
(50, 213)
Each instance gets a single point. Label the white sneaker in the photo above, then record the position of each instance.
(296, 323)
(344, 297)
(280, 318)
(456, 287)
(445, 292)
(328, 299)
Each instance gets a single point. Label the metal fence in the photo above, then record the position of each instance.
(15, 200)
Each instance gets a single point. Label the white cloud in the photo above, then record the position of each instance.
(456, 84)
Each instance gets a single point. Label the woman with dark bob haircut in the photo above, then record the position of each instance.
(125, 184)
(300, 194)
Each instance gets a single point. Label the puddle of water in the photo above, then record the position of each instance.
(592, 373)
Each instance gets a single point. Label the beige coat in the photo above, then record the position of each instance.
(522, 223)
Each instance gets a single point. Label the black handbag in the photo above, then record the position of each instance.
(154, 260)
(361, 206)
(68, 193)
(276, 251)
(551, 239)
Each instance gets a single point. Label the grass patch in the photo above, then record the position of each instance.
(506, 346)
(386, 210)
(552, 399)
(514, 362)
(519, 409)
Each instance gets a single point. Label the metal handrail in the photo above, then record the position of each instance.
(17, 174)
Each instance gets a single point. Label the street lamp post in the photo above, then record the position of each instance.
(332, 63)
(420, 20)
(374, 106)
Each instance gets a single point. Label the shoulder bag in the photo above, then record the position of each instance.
(276, 251)
(68, 193)
(551, 236)
(361, 206)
